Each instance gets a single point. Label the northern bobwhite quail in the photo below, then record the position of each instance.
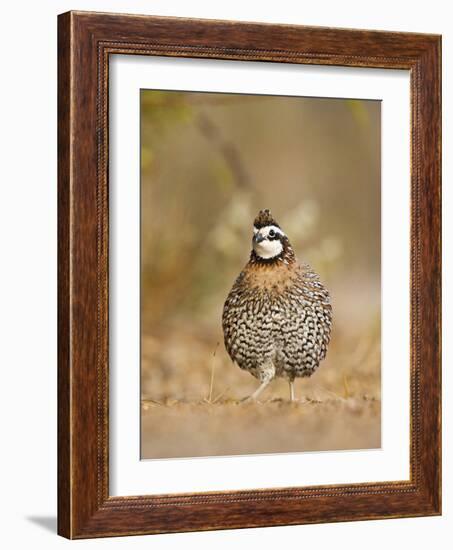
(277, 317)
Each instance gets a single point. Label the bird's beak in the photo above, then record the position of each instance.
(258, 238)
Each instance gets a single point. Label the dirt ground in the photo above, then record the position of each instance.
(275, 426)
(192, 392)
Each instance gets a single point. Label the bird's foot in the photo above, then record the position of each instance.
(249, 399)
(256, 393)
(292, 396)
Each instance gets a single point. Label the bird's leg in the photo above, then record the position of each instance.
(291, 390)
(257, 392)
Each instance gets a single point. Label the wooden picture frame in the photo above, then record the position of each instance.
(85, 42)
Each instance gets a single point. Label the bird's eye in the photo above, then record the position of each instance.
(271, 233)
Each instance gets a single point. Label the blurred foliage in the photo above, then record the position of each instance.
(211, 161)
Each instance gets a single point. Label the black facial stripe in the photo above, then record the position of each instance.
(261, 225)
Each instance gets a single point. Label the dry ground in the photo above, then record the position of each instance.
(191, 400)
(180, 429)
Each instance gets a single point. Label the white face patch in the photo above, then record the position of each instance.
(266, 248)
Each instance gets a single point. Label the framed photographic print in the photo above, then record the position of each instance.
(249, 275)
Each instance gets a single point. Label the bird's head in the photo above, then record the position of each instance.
(269, 241)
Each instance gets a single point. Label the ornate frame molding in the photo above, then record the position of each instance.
(86, 40)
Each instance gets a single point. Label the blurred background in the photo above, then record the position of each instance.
(209, 163)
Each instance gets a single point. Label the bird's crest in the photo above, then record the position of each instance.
(264, 219)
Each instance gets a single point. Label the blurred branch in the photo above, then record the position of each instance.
(228, 149)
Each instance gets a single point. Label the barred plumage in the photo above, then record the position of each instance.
(277, 317)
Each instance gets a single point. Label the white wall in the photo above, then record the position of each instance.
(28, 267)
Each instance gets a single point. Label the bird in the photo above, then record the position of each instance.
(277, 317)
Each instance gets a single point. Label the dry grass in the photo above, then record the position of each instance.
(191, 399)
